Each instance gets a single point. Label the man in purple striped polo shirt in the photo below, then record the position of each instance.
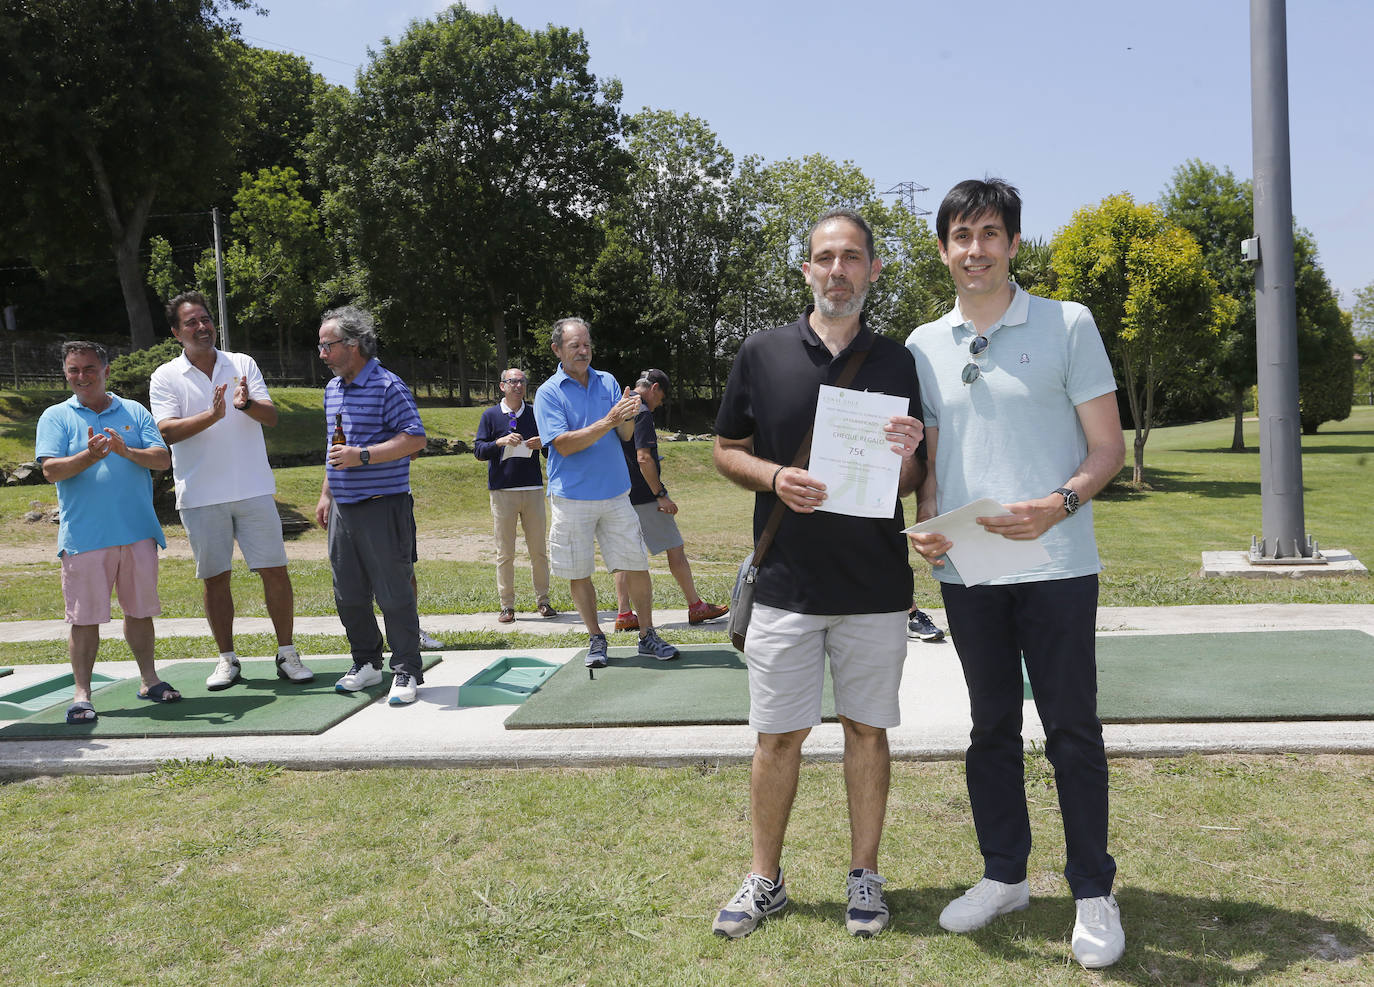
(366, 506)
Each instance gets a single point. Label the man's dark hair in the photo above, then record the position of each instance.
(174, 306)
(652, 376)
(977, 197)
(355, 326)
(82, 346)
(853, 217)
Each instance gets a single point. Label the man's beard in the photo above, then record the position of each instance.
(846, 310)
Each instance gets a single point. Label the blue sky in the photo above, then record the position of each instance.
(1070, 101)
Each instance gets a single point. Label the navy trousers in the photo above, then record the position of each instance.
(1053, 624)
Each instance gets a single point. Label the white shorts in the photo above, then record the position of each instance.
(580, 525)
(786, 651)
(254, 523)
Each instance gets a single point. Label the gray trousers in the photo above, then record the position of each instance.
(371, 552)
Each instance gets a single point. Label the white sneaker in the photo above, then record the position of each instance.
(224, 675)
(429, 642)
(982, 903)
(290, 666)
(1098, 939)
(360, 676)
(403, 689)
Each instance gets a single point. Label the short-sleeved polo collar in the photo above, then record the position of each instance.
(1018, 311)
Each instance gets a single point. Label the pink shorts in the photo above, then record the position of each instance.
(130, 570)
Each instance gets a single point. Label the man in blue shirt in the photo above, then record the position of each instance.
(366, 506)
(577, 410)
(99, 449)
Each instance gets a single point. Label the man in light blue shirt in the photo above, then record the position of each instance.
(1020, 407)
(582, 415)
(99, 449)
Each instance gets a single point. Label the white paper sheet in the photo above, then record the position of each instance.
(978, 554)
(850, 452)
(517, 451)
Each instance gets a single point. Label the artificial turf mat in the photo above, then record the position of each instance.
(707, 685)
(258, 703)
(1253, 675)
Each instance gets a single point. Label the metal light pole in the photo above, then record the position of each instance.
(219, 285)
(1284, 537)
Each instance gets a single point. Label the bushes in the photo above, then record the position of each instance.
(129, 374)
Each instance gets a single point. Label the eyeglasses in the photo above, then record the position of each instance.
(977, 347)
(514, 381)
(326, 347)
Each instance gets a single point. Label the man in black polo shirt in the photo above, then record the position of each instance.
(657, 511)
(831, 583)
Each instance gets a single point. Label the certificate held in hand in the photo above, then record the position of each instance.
(978, 554)
(850, 452)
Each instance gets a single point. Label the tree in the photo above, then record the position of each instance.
(1218, 210)
(659, 289)
(465, 173)
(1154, 302)
(278, 94)
(1326, 344)
(108, 106)
(786, 199)
(273, 262)
(1033, 268)
(1362, 315)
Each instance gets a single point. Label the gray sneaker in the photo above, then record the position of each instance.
(919, 627)
(867, 913)
(654, 646)
(757, 898)
(428, 642)
(596, 651)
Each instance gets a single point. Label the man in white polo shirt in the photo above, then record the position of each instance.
(210, 407)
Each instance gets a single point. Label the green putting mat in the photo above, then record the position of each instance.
(707, 685)
(1255, 675)
(258, 703)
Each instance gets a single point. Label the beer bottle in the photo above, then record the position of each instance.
(338, 439)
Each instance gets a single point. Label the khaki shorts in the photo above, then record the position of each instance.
(580, 525)
(253, 523)
(786, 653)
(129, 570)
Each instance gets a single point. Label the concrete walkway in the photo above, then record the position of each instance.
(435, 731)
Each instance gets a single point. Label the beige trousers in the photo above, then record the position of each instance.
(526, 506)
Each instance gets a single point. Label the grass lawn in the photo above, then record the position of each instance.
(1233, 870)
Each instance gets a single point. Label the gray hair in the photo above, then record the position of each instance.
(83, 346)
(556, 337)
(355, 326)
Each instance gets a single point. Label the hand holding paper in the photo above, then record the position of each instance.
(979, 554)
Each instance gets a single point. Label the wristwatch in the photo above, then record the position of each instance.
(365, 457)
(662, 493)
(1070, 500)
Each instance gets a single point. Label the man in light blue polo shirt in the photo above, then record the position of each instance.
(99, 448)
(1020, 407)
(578, 409)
